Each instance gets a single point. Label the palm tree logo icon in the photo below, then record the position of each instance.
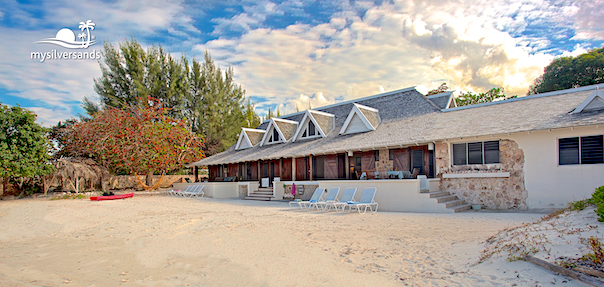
(86, 26)
(66, 38)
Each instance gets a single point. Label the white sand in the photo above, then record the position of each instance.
(169, 241)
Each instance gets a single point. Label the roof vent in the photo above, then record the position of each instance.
(595, 102)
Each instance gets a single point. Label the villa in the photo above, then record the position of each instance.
(425, 154)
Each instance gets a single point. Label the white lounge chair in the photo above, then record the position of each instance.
(316, 196)
(346, 197)
(331, 197)
(197, 192)
(176, 191)
(366, 201)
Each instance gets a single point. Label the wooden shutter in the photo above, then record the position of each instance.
(368, 161)
(301, 169)
(286, 173)
(400, 160)
(331, 166)
(254, 165)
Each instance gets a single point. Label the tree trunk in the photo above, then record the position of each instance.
(196, 174)
(149, 179)
(4, 184)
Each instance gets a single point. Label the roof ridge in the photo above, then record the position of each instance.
(535, 96)
(355, 100)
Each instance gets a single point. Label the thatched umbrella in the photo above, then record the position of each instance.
(76, 169)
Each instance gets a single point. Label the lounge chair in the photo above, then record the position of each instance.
(331, 197)
(177, 192)
(197, 192)
(366, 201)
(346, 197)
(316, 196)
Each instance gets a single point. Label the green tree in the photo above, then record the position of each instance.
(252, 119)
(441, 89)
(571, 72)
(24, 148)
(198, 92)
(468, 98)
(216, 104)
(136, 140)
(130, 74)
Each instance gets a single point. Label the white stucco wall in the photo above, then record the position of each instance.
(215, 189)
(549, 184)
(392, 195)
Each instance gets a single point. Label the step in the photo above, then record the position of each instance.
(263, 198)
(439, 194)
(269, 189)
(462, 208)
(446, 198)
(269, 193)
(454, 203)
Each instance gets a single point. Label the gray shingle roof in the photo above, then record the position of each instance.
(441, 100)
(325, 122)
(408, 118)
(254, 136)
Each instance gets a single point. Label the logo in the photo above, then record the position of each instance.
(67, 39)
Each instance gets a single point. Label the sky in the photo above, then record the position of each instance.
(295, 54)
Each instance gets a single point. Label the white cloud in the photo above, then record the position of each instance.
(589, 23)
(393, 46)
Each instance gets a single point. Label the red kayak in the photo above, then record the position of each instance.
(111, 197)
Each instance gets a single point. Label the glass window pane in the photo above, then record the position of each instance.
(591, 150)
(311, 128)
(491, 152)
(459, 154)
(475, 153)
(569, 151)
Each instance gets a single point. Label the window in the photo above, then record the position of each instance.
(581, 150)
(310, 130)
(476, 153)
(274, 137)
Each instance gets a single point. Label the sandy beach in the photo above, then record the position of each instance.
(168, 241)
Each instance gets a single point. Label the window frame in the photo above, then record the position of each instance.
(306, 131)
(467, 151)
(580, 150)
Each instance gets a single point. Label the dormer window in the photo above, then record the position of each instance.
(274, 137)
(315, 124)
(279, 131)
(310, 130)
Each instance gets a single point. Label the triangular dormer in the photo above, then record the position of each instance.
(315, 124)
(361, 119)
(279, 131)
(249, 138)
(444, 100)
(595, 102)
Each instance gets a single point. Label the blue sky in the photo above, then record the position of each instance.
(297, 53)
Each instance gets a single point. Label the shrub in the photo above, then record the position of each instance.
(598, 199)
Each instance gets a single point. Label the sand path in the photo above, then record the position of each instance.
(169, 241)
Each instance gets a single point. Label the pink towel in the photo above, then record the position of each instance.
(293, 189)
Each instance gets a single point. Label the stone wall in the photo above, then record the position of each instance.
(384, 164)
(303, 191)
(490, 192)
(117, 182)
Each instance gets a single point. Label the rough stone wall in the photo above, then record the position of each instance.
(118, 182)
(303, 191)
(491, 193)
(384, 164)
